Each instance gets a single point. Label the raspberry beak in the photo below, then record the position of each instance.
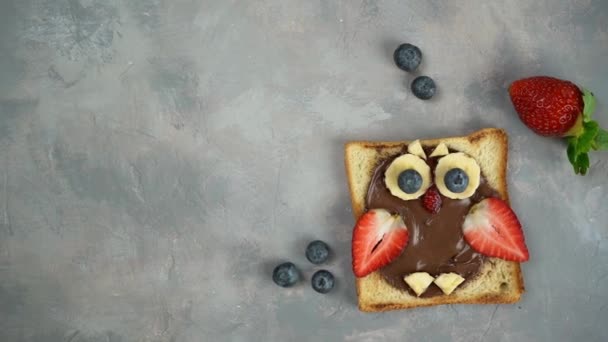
(436, 193)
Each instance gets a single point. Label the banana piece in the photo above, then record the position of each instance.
(400, 164)
(419, 282)
(416, 149)
(448, 282)
(440, 150)
(464, 162)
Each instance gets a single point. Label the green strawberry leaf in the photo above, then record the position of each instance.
(583, 163)
(589, 105)
(601, 140)
(585, 140)
(592, 137)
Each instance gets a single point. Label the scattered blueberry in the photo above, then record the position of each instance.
(456, 180)
(423, 87)
(286, 274)
(322, 281)
(409, 181)
(317, 252)
(407, 57)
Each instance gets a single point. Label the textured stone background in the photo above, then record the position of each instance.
(159, 157)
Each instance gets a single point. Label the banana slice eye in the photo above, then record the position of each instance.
(457, 176)
(408, 177)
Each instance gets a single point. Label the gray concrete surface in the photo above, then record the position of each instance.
(158, 158)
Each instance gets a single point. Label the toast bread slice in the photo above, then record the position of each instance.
(498, 281)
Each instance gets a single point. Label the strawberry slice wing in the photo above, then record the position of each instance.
(378, 238)
(492, 228)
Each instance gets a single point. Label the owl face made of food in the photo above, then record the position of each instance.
(432, 221)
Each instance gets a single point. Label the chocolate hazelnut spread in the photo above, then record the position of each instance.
(436, 244)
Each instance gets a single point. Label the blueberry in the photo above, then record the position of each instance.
(317, 252)
(286, 274)
(322, 281)
(456, 180)
(423, 87)
(407, 57)
(409, 181)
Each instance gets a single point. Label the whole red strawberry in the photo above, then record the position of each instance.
(558, 108)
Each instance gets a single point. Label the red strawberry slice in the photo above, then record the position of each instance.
(378, 238)
(491, 228)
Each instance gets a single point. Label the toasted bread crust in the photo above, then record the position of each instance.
(499, 281)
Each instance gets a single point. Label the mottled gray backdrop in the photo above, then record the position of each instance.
(159, 157)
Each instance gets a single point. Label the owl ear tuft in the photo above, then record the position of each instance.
(440, 150)
(416, 149)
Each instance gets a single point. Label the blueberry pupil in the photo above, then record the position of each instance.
(456, 180)
(410, 181)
